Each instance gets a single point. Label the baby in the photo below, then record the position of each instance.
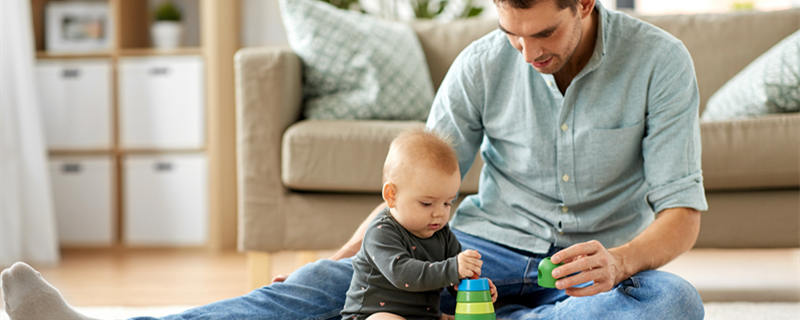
(408, 253)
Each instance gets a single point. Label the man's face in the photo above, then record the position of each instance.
(545, 35)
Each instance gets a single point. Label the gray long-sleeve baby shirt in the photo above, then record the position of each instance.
(398, 272)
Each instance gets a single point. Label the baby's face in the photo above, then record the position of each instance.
(424, 200)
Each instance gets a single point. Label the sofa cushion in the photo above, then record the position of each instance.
(357, 66)
(348, 155)
(752, 153)
(345, 155)
(771, 84)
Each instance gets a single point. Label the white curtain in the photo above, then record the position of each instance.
(27, 222)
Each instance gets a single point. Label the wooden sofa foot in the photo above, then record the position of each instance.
(259, 269)
(262, 266)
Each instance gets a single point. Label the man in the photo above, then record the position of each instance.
(587, 123)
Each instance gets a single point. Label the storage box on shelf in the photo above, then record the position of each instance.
(161, 102)
(83, 198)
(75, 96)
(161, 195)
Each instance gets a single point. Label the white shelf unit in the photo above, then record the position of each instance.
(164, 191)
(132, 102)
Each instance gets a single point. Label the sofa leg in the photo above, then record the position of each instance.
(305, 257)
(262, 265)
(259, 269)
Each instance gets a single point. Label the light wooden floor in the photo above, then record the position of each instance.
(157, 277)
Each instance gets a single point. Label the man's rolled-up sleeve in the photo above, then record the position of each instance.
(671, 146)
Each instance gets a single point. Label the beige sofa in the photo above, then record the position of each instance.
(306, 185)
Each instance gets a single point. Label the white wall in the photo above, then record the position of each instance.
(694, 6)
(261, 24)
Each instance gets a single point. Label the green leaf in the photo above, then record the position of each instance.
(442, 5)
(474, 12)
(167, 11)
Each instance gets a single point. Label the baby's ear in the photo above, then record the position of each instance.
(389, 194)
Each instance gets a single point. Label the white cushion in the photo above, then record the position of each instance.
(771, 84)
(357, 66)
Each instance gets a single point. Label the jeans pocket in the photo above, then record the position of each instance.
(615, 153)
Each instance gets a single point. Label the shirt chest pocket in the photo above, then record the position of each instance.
(614, 154)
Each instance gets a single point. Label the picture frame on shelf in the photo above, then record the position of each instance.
(78, 26)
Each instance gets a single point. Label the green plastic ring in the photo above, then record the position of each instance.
(485, 316)
(474, 296)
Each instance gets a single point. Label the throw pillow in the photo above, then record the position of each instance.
(357, 66)
(770, 84)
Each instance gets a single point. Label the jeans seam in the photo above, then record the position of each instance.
(525, 281)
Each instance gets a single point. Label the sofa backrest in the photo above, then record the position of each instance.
(721, 44)
(442, 42)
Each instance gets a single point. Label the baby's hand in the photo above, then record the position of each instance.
(469, 264)
(493, 290)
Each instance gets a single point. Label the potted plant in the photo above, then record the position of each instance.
(166, 29)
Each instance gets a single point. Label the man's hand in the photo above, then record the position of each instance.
(280, 278)
(588, 261)
(469, 264)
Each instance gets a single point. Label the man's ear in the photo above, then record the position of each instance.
(389, 194)
(585, 7)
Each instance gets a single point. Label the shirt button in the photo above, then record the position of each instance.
(564, 209)
(564, 127)
(549, 83)
(565, 178)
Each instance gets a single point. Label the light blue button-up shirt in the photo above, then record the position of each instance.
(622, 142)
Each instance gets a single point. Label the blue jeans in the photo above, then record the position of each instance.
(317, 291)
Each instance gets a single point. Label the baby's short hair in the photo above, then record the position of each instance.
(419, 147)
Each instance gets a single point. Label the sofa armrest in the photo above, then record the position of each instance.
(268, 100)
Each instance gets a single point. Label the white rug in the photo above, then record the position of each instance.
(714, 311)
(109, 313)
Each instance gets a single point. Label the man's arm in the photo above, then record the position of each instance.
(673, 232)
(352, 246)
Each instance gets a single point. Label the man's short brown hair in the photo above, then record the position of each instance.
(525, 4)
